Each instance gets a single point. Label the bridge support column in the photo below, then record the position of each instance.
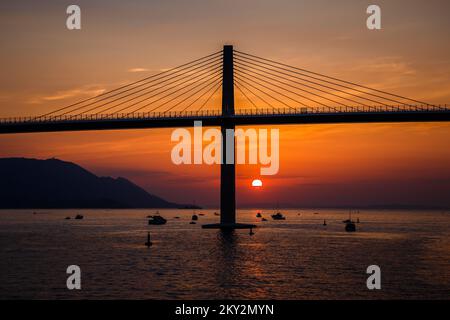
(228, 167)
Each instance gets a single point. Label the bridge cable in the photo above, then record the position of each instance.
(216, 85)
(182, 94)
(253, 93)
(322, 85)
(305, 85)
(290, 91)
(336, 84)
(336, 79)
(149, 104)
(216, 80)
(198, 73)
(166, 88)
(279, 93)
(245, 95)
(181, 67)
(138, 92)
(136, 84)
(347, 87)
(209, 98)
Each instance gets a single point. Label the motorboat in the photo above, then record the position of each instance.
(156, 220)
(278, 216)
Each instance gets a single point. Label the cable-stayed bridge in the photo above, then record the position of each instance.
(229, 88)
(264, 92)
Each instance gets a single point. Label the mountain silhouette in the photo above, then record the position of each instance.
(52, 183)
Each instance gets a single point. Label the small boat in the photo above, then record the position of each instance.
(156, 220)
(67, 218)
(194, 215)
(263, 219)
(192, 222)
(79, 217)
(350, 227)
(216, 214)
(177, 218)
(316, 213)
(349, 224)
(258, 215)
(278, 216)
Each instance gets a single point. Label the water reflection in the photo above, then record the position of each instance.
(293, 259)
(227, 270)
(237, 266)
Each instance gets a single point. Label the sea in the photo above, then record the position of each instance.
(293, 259)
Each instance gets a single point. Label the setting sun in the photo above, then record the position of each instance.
(257, 183)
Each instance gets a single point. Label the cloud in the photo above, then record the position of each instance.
(135, 70)
(384, 65)
(138, 70)
(86, 91)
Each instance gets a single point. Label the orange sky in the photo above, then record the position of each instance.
(45, 66)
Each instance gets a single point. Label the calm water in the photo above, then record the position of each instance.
(293, 259)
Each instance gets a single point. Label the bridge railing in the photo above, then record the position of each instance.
(115, 116)
(343, 109)
(216, 113)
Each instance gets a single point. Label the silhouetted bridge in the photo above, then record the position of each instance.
(269, 93)
(215, 118)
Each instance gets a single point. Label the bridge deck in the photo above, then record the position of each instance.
(214, 118)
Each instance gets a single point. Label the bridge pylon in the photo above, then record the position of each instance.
(228, 167)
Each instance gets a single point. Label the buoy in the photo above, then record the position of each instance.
(324, 222)
(148, 243)
(251, 232)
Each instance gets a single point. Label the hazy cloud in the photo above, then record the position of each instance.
(66, 94)
(138, 70)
